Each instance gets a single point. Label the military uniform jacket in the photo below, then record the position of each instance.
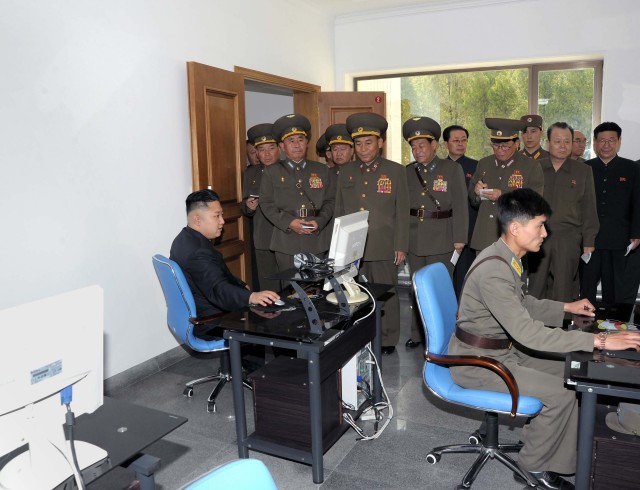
(618, 202)
(445, 183)
(494, 306)
(571, 194)
(469, 166)
(522, 172)
(262, 227)
(536, 155)
(381, 189)
(287, 187)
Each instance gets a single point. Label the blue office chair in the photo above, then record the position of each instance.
(181, 318)
(438, 307)
(243, 474)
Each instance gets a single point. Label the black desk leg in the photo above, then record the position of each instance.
(315, 414)
(238, 397)
(377, 351)
(585, 439)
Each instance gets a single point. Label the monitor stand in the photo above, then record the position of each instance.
(354, 293)
(44, 466)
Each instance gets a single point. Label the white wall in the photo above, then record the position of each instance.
(95, 149)
(266, 108)
(506, 32)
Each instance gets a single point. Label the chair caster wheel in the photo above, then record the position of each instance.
(475, 438)
(188, 392)
(433, 458)
(211, 407)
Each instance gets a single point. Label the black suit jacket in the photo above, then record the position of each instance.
(213, 286)
(469, 168)
(618, 201)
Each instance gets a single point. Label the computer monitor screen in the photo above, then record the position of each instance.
(347, 248)
(46, 346)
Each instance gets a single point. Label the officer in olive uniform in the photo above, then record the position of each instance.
(531, 136)
(378, 185)
(439, 215)
(496, 318)
(297, 195)
(341, 145)
(574, 224)
(324, 150)
(261, 136)
(504, 171)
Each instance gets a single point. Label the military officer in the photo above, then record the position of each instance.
(297, 195)
(341, 145)
(531, 137)
(378, 185)
(455, 138)
(569, 189)
(439, 216)
(261, 136)
(494, 312)
(324, 150)
(505, 170)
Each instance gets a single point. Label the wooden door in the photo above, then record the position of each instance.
(335, 107)
(216, 113)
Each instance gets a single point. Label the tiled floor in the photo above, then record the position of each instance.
(394, 461)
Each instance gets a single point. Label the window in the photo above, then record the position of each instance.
(569, 92)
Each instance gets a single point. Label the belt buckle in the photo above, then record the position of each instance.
(420, 214)
(303, 212)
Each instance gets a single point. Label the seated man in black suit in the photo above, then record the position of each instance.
(215, 289)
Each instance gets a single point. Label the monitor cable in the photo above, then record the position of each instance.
(70, 422)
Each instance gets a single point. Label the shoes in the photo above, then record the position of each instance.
(547, 480)
(410, 344)
(389, 349)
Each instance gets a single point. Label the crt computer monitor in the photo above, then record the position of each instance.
(46, 346)
(347, 248)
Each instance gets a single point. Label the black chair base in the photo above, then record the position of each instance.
(223, 377)
(487, 448)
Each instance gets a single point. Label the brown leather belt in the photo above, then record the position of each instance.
(304, 212)
(482, 342)
(424, 214)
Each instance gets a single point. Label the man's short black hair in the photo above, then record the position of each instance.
(200, 199)
(607, 126)
(447, 131)
(559, 125)
(520, 205)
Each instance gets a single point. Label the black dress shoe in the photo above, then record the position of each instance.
(547, 480)
(389, 349)
(411, 344)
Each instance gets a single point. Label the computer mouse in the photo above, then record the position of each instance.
(278, 302)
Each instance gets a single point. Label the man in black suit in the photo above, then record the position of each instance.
(617, 182)
(455, 138)
(213, 286)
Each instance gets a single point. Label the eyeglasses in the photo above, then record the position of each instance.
(580, 141)
(607, 141)
(502, 146)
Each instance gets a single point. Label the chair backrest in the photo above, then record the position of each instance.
(243, 474)
(181, 306)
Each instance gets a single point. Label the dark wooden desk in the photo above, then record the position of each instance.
(594, 374)
(124, 430)
(324, 353)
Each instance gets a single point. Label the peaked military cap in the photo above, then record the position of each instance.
(532, 120)
(421, 127)
(291, 124)
(322, 145)
(337, 134)
(504, 129)
(260, 134)
(366, 124)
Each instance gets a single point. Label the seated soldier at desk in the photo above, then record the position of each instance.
(215, 289)
(494, 312)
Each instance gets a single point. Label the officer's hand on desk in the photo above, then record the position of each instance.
(263, 298)
(581, 307)
(617, 341)
(400, 257)
(303, 227)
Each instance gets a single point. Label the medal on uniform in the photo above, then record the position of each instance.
(440, 185)
(384, 185)
(516, 266)
(516, 180)
(315, 182)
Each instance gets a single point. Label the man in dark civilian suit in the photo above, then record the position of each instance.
(617, 183)
(455, 139)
